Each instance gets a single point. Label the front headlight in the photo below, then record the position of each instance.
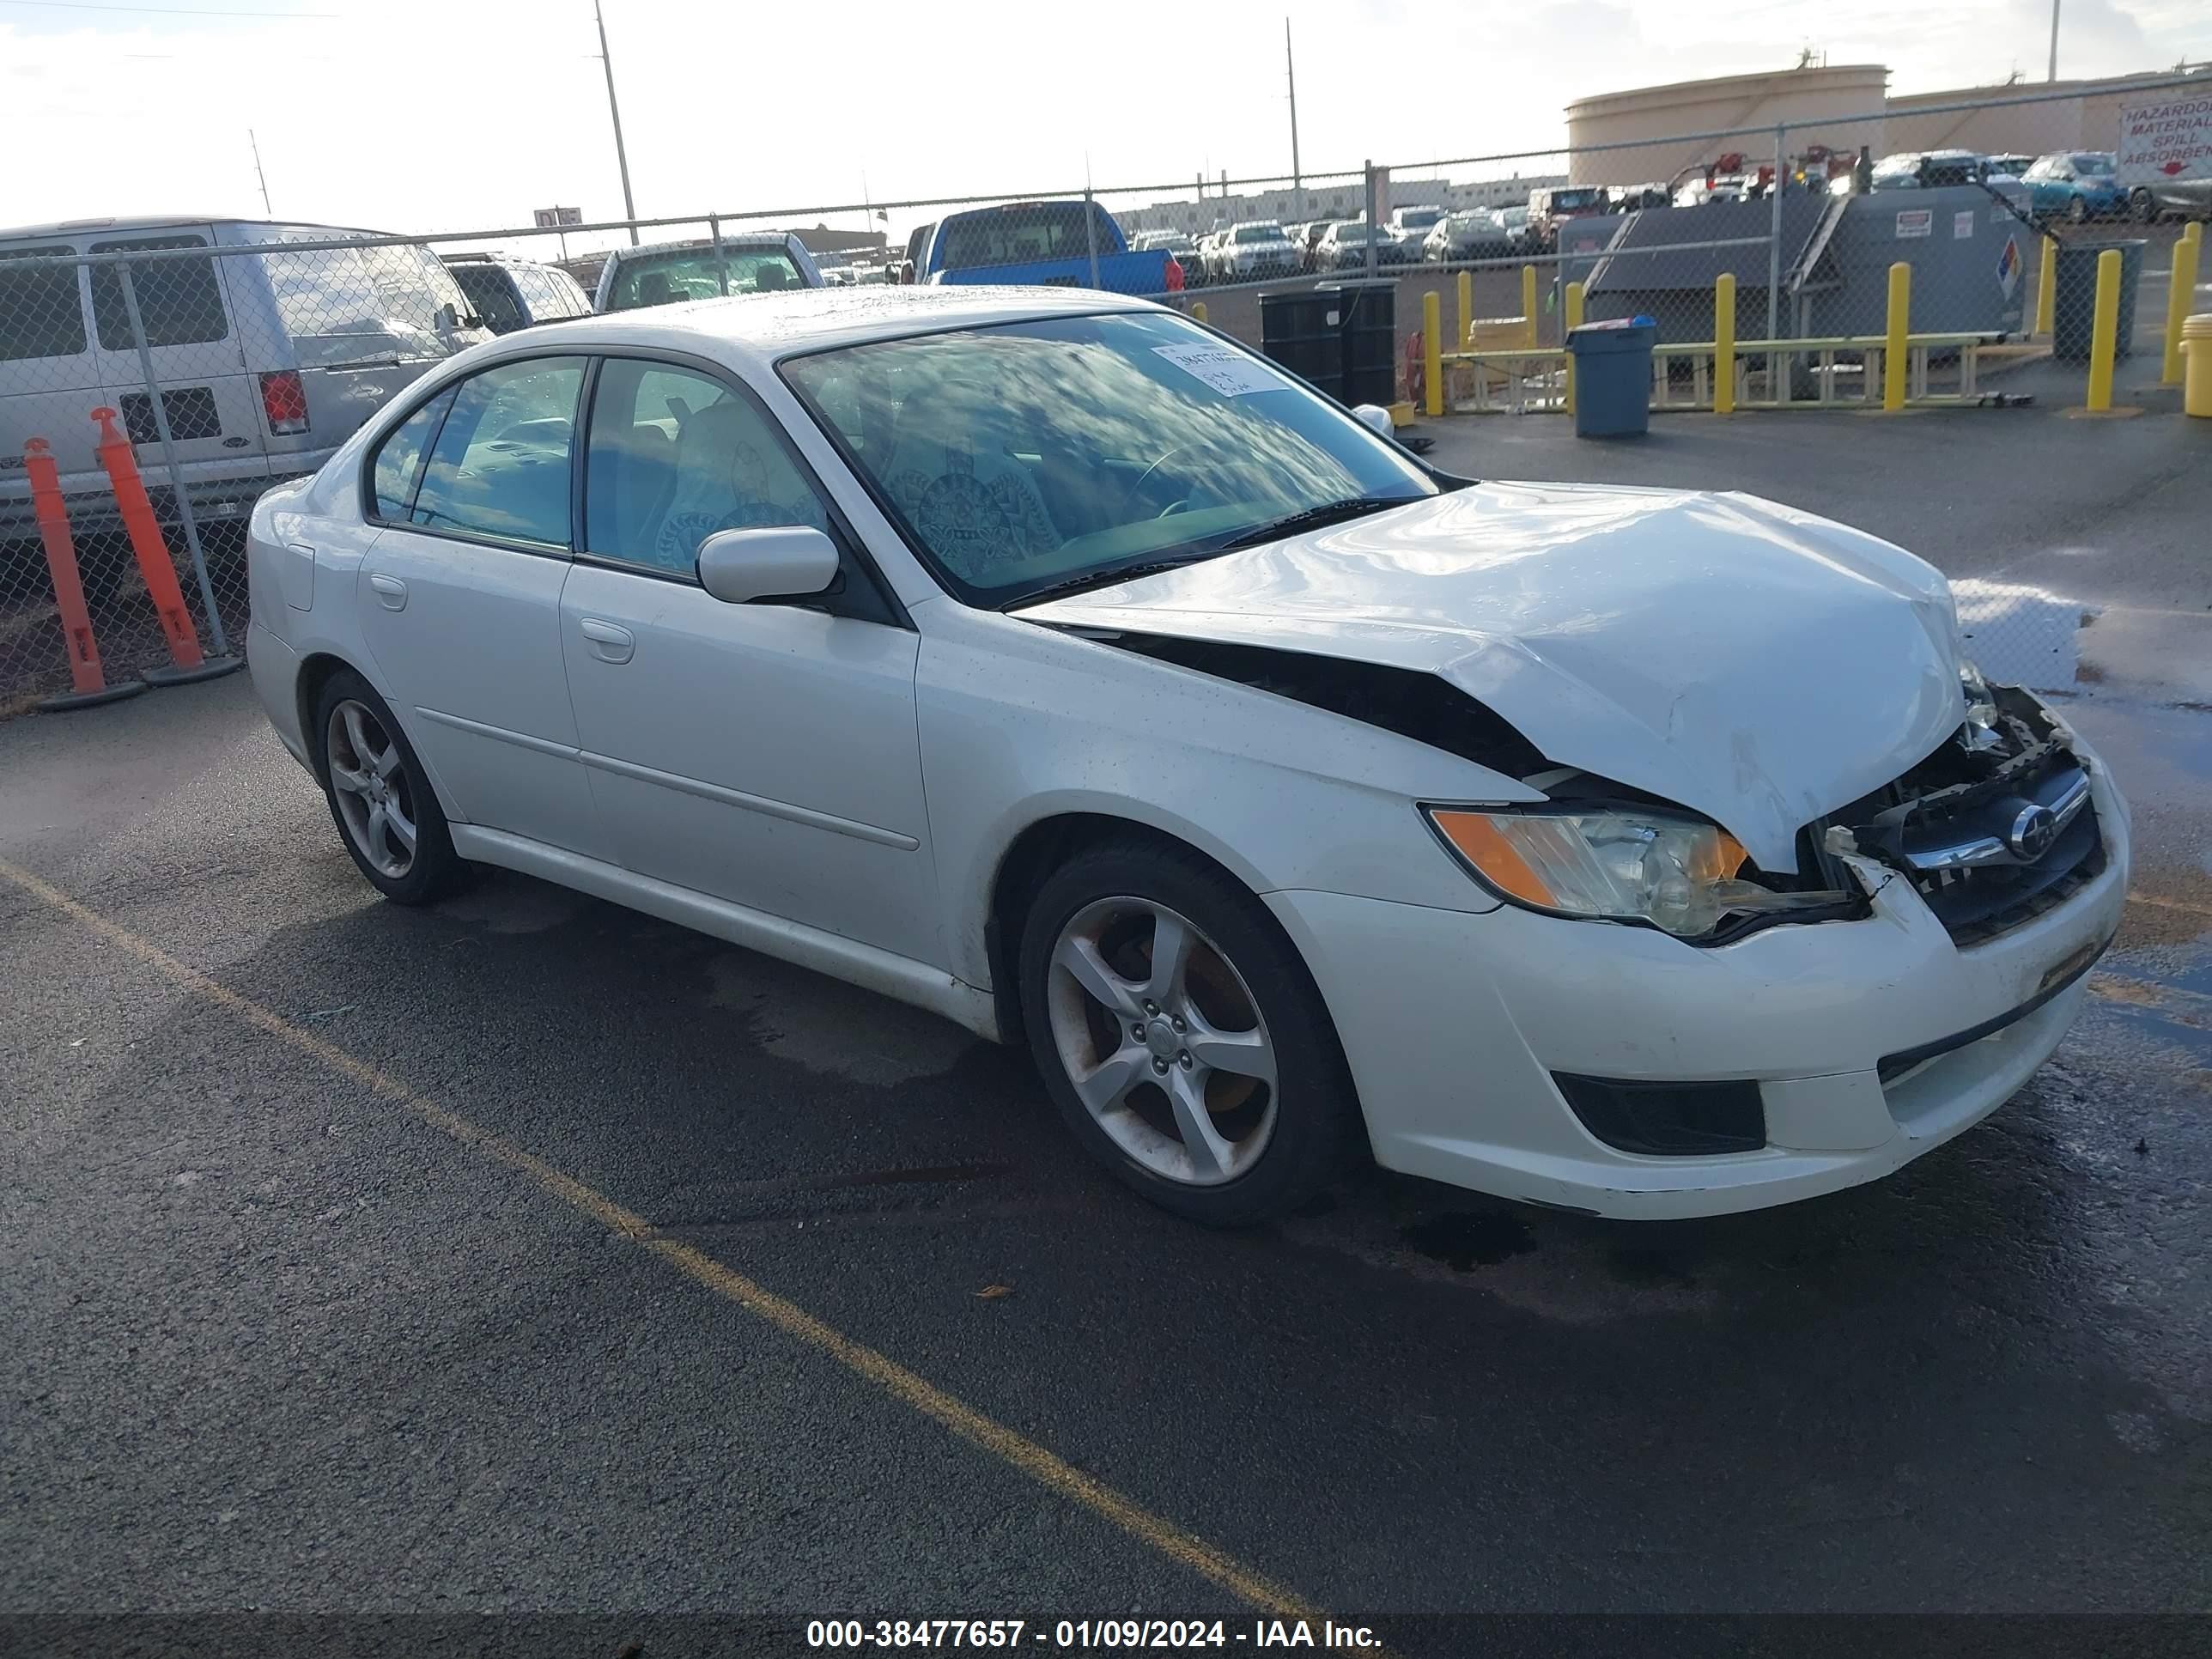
(1674, 873)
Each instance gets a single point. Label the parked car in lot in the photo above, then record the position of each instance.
(2075, 186)
(1253, 250)
(1344, 246)
(668, 273)
(1476, 234)
(266, 361)
(1515, 221)
(1044, 244)
(1549, 207)
(2007, 166)
(2161, 195)
(507, 294)
(1288, 800)
(1306, 243)
(1410, 224)
(1942, 169)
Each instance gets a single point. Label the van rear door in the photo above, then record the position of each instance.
(213, 405)
(49, 379)
(358, 324)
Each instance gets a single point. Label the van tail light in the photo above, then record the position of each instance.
(285, 401)
(1174, 277)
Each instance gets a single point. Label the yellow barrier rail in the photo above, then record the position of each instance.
(1525, 381)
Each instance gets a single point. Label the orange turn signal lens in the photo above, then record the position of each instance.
(1478, 841)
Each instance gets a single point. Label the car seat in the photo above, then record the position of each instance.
(729, 475)
(951, 474)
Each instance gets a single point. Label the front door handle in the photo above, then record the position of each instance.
(390, 591)
(608, 643)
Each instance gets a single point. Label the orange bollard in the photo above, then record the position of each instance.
(85, 673)
(154, 563)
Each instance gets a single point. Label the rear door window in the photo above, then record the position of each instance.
(503, 462)
(398, 462)
(491, 296)
(41, 308)
(178, 299)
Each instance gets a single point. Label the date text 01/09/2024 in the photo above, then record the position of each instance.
(1084, 1633)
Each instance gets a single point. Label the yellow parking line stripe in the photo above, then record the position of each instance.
(2169, 904)
(1185, 1548)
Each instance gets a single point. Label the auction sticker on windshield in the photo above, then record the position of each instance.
(1233, 373)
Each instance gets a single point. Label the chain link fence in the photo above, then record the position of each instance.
(235, 355)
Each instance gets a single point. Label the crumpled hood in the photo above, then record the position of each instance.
(1753, 662)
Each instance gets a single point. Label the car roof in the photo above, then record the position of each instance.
(694, 245)
(171, 221)
(763, 328)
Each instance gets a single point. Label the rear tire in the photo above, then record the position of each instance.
(2077, 210)
(2143, 206)
(379, 796)
(1211, 1084)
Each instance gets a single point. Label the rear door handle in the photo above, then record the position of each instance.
(608, 643)
(390, 591)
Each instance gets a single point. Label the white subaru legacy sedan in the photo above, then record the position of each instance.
(1045, 659)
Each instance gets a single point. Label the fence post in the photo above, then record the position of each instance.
(1774, 245)
(1466, 311)
(1724, 344)
(1432, 352)
(1894, 348)
(169, 458)
(1198, 310)
(1528, 304)
(721, 271)
(2180, 289)
(1091, 233)
(2046, 290)
(1374, 223)
(2105, 330)
(1570, 319)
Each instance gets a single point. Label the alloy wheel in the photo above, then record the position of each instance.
(1162, 1041)
(370, 782)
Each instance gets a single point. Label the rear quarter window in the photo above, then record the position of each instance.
(179, 299)
(41, 307)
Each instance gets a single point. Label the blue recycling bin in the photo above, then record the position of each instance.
(1613, 377)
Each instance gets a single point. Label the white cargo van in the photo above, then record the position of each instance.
(266, 361)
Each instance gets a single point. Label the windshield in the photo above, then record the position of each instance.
(1021, 233)
(659, 279)
(1573, 201)
(1352, 233)
(2092, 167)
(1420, 218)
(1022, 456)
(2009, 167)
(1261, 233)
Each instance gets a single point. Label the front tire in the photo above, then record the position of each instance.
(2077, 210)
(380, 797)
(1180, 1035)
(2143, 206)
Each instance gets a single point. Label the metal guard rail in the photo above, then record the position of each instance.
(1535, 381)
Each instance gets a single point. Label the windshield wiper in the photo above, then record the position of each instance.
(1311, 518)
(1107, 577)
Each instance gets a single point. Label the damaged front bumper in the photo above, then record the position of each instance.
(1853, 1046)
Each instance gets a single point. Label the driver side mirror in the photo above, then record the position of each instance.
(1375, 419)
(784, 562)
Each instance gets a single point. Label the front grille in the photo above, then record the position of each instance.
(1957, 798)
(190, 410)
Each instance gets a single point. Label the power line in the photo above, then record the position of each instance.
(166, 11)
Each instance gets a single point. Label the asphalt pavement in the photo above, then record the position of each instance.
(528, 1256)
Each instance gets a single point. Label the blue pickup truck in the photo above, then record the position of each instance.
(1044, 244)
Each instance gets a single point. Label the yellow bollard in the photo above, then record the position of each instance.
(1466, 311)
(2046, 290)
(1528, 302)
(1198, 310)
(1432, 352)
(1895, 349)
(1570, 319)
(2105, 330)
(2180, 287)
(1724, 344)
(2197, 347)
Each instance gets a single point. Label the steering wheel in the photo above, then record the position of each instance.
(1145, 478)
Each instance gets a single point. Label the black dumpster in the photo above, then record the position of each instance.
(1343, 336)
(2073, 307)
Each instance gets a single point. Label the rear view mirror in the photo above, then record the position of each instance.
(784, 561)
(1376, 418)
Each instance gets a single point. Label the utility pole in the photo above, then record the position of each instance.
(258, 174)
(614, 109)
(1298, 179)
(2054, 39)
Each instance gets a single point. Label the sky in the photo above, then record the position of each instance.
(448, 115)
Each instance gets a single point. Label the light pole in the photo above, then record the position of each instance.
(1298, 179)
(2054, 41)
(614, 109)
